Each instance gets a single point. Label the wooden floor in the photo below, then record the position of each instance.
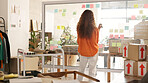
(102, 75)
(116, 63)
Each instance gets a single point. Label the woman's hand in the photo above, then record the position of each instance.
(100, 26)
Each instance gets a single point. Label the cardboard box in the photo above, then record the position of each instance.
(31, 63)
(130, 68)
(137, 52)
(141, 30)
(116, 45)
(135, 68)
(144, 41)
(142, 68)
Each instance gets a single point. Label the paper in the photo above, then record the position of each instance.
(135, 5)
(35, 25)
(118, 44)
(59, 42)
(60, 10)
(100, 45)
(91, 5)
(64, 10)
(87, 6)
(59, 46)
(113, 44)
(83, 6)
(121, 30)
(126, 27)
(14, 19)
(145, 5)
(116, 36)
(111, 36)
(121, 36)
(51, 42)
(55, 10)
(51, 47)
(110, 30)
(63, 27)
(138, 17)
(63, 14)
(55, 47)
(141, 5)
(140, 11)
(97, 5)
(144, 17)
(116, 30)
(58, 27)
(74, 13)
(133, 17)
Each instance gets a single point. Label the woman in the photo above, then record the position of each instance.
(87, 39)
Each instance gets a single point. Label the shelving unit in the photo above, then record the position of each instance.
(55, 55)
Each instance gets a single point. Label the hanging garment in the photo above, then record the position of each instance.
(1, 36)
(5, 52)
(7, 44)
(1, 53)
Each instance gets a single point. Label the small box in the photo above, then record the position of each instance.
(142, 68)
(130, 68)
(117, 45)
(137, 52)
(114, 45)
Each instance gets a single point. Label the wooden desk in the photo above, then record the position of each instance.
(106, 53)
(124, 79)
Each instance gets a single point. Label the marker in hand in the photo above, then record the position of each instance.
(100, 26)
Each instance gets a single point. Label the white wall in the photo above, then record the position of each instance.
(4, 10)
(35, 11)
(18, 36)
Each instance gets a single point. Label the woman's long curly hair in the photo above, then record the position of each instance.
(86, 24)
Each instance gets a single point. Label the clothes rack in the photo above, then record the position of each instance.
(2, 25)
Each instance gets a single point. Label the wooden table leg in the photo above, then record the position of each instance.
(75, 75)
(59, 62)
(108, 66)
(65, 64)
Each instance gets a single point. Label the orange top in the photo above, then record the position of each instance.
(88, 47)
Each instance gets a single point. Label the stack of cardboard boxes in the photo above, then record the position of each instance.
(136, 54)
(136, 64)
